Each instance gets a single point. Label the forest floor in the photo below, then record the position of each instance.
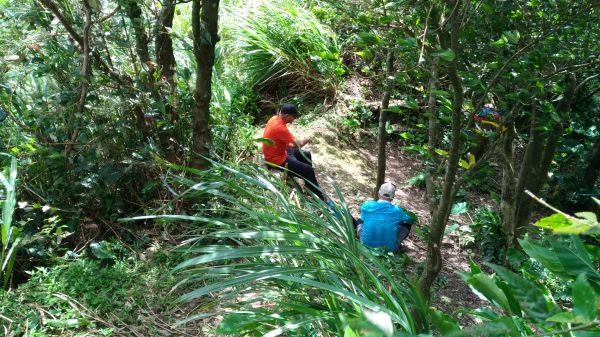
(351, 166)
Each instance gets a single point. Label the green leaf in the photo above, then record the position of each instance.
(513, 303)
(406, 135)
(512, 36)
(459, 208)
(553, 222)
(588, 216)
(484, 285)
(563, 317)
(226, 253)
(368, 39)
(500, 42)
(443, 322)
(446, 55)
(463, 163)
(532, 300)
(584, 299)
(265, 141)
(365, 54)
(411, 103)
(348, 332)
(441, 152)
(451, 229)
(101, 251)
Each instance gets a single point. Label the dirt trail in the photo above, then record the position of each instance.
(353, 170)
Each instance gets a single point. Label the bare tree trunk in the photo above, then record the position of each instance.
(166, 62)
(539, 175)
(433, 264)
(433, 141)
(163, 42)
(508, 182)
(382, 137)
(204, 27)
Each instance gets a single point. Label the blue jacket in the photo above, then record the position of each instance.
(380, 224)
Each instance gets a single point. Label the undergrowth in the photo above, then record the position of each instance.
(89, 296)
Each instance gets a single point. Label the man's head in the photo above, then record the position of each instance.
(387, 191)
(288, 113)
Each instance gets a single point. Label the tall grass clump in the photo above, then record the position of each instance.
(283, 49)
(274, 262)
(10, 234)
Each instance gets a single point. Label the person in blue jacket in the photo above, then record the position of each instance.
(383, 225)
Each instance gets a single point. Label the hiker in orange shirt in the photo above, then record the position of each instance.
(286, 149)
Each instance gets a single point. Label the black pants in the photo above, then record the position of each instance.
(299, 164)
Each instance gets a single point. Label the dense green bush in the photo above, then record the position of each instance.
(283, 50)
(81, 293)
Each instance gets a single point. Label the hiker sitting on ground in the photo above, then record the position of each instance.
(286, 149)
(383, 224)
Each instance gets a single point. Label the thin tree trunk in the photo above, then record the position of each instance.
(433, 141)
(163, 42)
(166, 63)
(508, 181)
(383, 117)
(433, 264)
(205, 15)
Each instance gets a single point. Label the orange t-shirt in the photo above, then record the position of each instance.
(281, 137)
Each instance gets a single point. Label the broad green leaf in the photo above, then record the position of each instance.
(588, 216)
(553, 222)
(451, 229)
(563, 317)
(459, 208)
(532, 300)
(441, 152)
(485, 286)
(472, 160)
(584, 299)
(575, 259)
(443, 322)
(513, 303)
(406, 135)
